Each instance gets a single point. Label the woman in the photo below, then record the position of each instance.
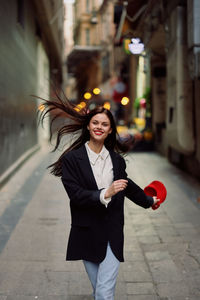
(94, 177)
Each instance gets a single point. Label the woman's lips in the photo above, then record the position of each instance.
(97, 132)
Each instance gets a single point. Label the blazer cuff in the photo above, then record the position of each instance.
(150, 200)
(102, 198)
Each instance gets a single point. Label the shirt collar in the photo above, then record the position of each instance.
(94, 156)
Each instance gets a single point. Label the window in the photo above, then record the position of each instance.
(87, 36)
(171, 111)
(87, 5)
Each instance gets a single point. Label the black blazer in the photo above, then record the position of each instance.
(93, 225)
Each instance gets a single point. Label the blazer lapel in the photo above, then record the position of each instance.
(86, 167)
(115, 162)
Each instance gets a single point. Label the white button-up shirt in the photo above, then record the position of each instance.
(102, 168)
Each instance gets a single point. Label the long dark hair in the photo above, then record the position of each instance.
(63, 108)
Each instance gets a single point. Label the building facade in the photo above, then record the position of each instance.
(30, 57)
(91, 59)
(170, 31)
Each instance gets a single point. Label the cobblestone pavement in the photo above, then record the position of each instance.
(162, 247)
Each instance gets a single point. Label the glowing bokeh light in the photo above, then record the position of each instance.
(80, 106)
(107, 105)
(83, 104)
(96, 91)
(41, 107)
(87, 95)
(125, 101)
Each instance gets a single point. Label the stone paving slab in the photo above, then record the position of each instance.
(162, 247)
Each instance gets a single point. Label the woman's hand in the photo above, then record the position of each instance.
(155, 199)
(116, 186)
(156, 203)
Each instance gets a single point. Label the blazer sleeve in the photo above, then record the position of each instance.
(135, 193)
(78, 195)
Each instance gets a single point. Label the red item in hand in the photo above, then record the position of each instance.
(156, 188)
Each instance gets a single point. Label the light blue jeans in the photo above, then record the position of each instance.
(103, 276)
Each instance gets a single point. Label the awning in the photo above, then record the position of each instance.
(81, 53)
(133, 6)
(127, 17)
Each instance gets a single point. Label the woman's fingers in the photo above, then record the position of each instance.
(121, 182)
(155, 199)
(116, 186)
(120, 185)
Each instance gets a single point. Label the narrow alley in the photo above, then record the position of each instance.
(162, 247)
(61, 60)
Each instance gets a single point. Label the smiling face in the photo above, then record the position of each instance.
(99, 127)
